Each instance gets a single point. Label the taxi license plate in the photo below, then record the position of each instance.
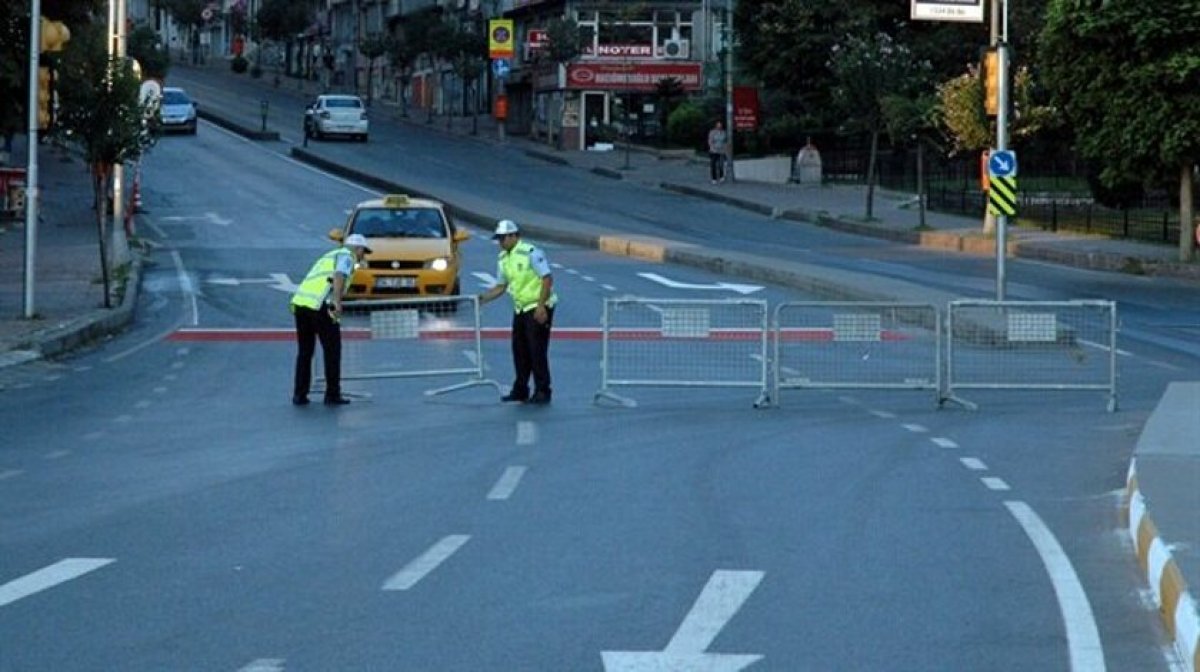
(402, 282)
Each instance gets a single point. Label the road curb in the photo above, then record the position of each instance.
(1176, 606)
(244, 131)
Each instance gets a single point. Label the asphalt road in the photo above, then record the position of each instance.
(214, 526)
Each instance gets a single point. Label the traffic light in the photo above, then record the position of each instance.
(55, 35)
(991, 82)
(44, 98)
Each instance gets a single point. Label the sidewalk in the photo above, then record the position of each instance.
(1163, 473)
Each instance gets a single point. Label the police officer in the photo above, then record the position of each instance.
(524, 272)
(317, 307)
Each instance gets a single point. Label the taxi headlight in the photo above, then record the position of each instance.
(440, 264)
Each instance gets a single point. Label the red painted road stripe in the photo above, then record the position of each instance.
(560, 333)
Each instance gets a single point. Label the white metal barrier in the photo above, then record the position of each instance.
(417, 337)
(1031, 345)
(683, 343)
(856, 345)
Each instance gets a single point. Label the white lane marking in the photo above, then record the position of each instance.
(160, 390)
(718, 602)
(294, 162)
(124, 417)
(588, 278)
(10, 473)
(942, 442)
(555, 264)
(170, 376)
(1164, 365)
(973, 463)
(609, 288)
(994, 483)
(509, 480)
(485, 279)
(185, 285)
(572, 271)
(428, 561)
(144, 403)
(57, 454)
(527, 433)
(176, 365)
(1083, 638)
(915, 429)
(853, 401)
(92, 436)
(1102, 346)
(264, 665)
(883, 414)
(48, 577)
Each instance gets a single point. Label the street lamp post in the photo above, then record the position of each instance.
(729, 130)
(31, 171)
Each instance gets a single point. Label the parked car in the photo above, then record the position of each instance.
(414, 248)
(177, 111)
(336, 115)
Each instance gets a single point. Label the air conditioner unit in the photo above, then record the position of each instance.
(676, 49)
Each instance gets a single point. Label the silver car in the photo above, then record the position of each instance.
(336, 114)
(177, 111)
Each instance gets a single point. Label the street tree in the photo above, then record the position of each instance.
(146, 47)
(468, 57)
(867, 73)
(403, 55)
(374, 46)
(1126, 74)
(14, 71)
(280, 21)
(564, 44)
(100, 112)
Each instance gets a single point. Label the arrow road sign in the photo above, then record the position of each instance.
(675, 284)
(501, 67)
(721, 598)
(1002, 163)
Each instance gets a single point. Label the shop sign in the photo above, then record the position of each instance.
(619, 51)
(745, 108)
(632, 76)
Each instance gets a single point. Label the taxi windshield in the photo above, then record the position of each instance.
(406, 223)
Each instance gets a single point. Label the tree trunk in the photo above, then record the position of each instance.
(100, 193)
(1187, 215)
(871, 174)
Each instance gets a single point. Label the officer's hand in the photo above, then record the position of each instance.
(540, 314)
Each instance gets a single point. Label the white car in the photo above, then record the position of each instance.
(336, 114)
(177, 111)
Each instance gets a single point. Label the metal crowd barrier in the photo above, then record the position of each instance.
(849, 345)
(416, 337)
(650, 342)
(1031, 345)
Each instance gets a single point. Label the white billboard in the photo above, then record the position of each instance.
(948, 10)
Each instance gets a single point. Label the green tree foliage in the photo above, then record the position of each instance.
(146, 47)
(688, 124)
(282, 20)
(1126, 74)
(868, 73)
(14, 69)
(374, 46)
(100, 112)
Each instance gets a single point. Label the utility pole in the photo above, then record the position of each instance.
(1000, 42)
(729, 131)
(31, 171)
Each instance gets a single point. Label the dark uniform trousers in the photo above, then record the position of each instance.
(531, 348)
(310, 326)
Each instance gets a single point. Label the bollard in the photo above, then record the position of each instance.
(263, 107)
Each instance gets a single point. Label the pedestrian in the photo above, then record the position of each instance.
(523, 271)
(717, 143)
(317, 307)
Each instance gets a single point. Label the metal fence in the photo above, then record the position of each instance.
(823, 345)
(417, 337)
(1031, 345)
(683, 343)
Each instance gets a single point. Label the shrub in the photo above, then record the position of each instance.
(256, 71)
(239, 64)
(688, 125)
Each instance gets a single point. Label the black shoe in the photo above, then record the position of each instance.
(514, 397)
(336, 401)
(539, 398)
(299, 401)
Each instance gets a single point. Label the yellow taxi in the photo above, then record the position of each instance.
(414, 248)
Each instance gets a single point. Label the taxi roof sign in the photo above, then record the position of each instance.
(395, 200)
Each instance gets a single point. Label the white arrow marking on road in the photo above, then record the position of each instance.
(47, 577)
(485, 279)
(675, 284)
(721, 598)
(217, 219)
(279, 281)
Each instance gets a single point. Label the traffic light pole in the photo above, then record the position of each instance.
(31, 171)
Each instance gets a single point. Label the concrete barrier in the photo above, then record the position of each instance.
(772, 169)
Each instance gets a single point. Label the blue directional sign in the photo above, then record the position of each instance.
(1002, 163)
(501, 67)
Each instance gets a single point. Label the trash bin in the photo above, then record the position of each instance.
(808, 165)
(12, 193)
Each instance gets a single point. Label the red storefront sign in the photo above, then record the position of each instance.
(632, 76)
(745, 108)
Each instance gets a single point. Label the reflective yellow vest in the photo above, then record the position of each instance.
(319, 282)
(524, 284)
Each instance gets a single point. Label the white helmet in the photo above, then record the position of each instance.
(505, 227)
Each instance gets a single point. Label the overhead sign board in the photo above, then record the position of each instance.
(970, 11)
